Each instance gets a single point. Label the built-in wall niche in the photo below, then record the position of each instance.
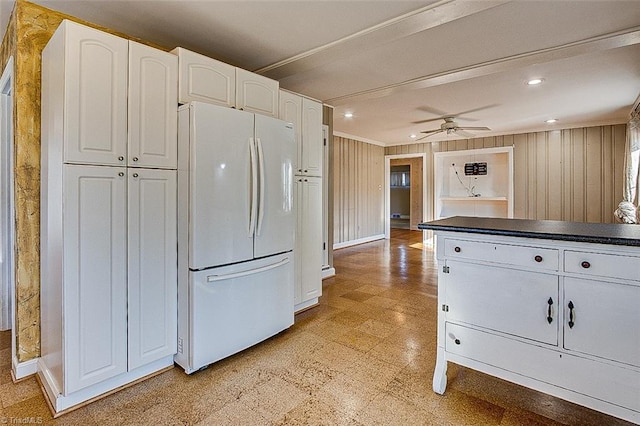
(475, 182)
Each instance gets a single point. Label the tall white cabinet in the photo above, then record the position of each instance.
(108, 214)
(306, 116)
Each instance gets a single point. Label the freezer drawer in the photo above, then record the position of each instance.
(235, 307)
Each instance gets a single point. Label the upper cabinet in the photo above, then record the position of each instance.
(306, 116)
(153, 110)
(91, 69)
(208, 80)
(115, 100)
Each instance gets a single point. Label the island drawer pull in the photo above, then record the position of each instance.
(457, 249)
(585, 265)
(538, 258)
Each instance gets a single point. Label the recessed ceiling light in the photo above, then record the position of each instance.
(551, 120)
(348, 114)
(413, 136)
(534, 81)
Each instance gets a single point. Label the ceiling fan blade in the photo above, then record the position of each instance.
(432, 132)
(473, 128)
(460, 114)
(427, 120)
(430, 110)
(462, 133)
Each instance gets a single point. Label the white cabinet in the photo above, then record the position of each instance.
(477, 182)
(554, 315)
(207, 80)
(108, 234)
(152, 265)
(306, 116)
(153, 110)
(308, 246)
(90, 67)
(94, 280)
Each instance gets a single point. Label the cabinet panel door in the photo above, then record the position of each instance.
(152, 265)
(153, 102)
(291, 111)
(95, 274)
(506, 300)
(308, 259)
(256, 93)
(205, 79)
(312, 141)
(605, 317)
(95, 96)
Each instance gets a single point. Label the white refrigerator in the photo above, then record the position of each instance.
(235, 231)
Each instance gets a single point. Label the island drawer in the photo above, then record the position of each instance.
(602, 265)
(532, 257)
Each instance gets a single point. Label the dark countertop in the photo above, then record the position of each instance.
(599, 233)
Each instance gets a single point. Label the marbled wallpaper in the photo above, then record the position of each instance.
(30, 28)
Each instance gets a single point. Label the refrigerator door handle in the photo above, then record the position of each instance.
(254, 188)
(214, 278)
(261, 167)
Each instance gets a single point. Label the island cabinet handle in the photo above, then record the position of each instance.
(538, 258)
(571, 307)
(549, 317)
(585, 265)
(457, 249)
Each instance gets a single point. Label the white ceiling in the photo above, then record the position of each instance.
(392, 63)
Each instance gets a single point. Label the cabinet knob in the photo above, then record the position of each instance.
(457, 249)
(121, 158)
(135, 175)
(121, 174)
(135, 158)
(306, 171)
(457, 341)
(585, 265)
(538, 258)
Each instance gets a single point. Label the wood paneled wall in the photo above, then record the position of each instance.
(572, 174)
(358, 189)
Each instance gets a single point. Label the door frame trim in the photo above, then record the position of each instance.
(387, 191)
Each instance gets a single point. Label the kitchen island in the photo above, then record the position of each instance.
(551, 305)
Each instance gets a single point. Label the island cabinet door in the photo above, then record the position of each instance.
(601, 319)
(519, 303)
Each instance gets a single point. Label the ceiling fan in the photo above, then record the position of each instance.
(450, 127)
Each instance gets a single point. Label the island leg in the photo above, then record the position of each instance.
(440, 373)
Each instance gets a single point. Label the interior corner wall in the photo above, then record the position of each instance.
(358, 181)
(572, 174)
(327, 119)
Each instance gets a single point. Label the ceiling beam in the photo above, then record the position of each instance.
(419, 20)
(628, 37)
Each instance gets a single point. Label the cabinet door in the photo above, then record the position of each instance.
(205, 79)
(153, 103)
(312, 142)
(152, 256)
(291, 111)
(506, 300)
(95, 274)
(256, 93)
(95, 96)
(605, 318)
(308, 255)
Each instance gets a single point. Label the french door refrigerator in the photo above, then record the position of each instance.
(235, 231)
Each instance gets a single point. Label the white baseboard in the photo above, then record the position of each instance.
(21, 370)
(358, 241)
(328, 272)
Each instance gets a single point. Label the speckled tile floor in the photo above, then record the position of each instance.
(364, 356)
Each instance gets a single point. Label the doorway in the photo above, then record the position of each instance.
(405, 191)
(7, 231)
